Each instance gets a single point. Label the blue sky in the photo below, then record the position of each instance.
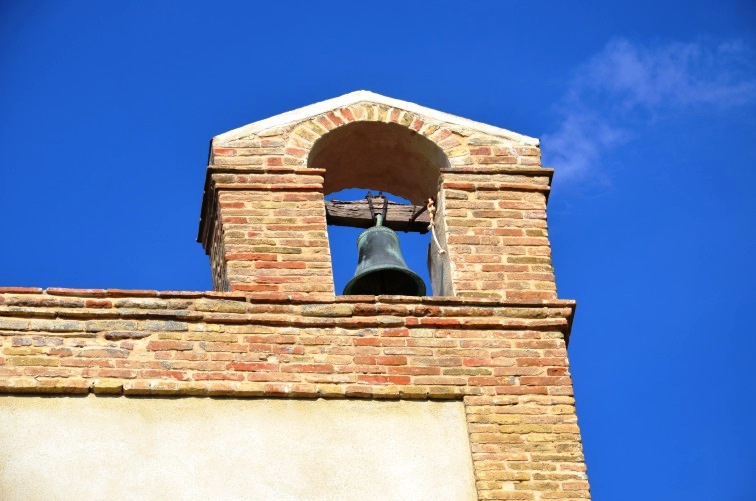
(647, 110)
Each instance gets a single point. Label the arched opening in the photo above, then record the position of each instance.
(381, 157)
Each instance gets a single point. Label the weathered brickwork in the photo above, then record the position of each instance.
(506, 360)
(494, 336)
(218, 253)
(497, 232)
(270, 201)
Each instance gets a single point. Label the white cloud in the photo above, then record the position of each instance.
(577, 145)
(625, 84)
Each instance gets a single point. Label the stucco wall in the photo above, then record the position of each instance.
(113, 448)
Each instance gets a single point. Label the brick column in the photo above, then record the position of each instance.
(496, 233)
(265, 230)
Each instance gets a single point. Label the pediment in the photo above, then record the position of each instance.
(427, 115)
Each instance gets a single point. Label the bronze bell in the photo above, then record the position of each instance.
(381, 268)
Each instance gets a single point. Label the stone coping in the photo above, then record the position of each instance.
(285, 298)
(84, 306)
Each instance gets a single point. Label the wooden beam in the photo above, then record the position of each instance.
(357, 215)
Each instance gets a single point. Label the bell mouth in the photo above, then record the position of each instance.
(383, 280)
(381, 269)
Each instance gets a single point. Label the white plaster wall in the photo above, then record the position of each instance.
(82, 448)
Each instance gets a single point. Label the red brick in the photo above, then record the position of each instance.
(129, 293)
(521, 390)
(87, 362)
(476, 362)
(414, 371)
(114, 373)
(347, 113)
(286, 265)
(232, 205)
(297, 152)
(391, 360)
(277, 389)
(367, 341)
(440, 322)
(163, 374)
(443, 380)
(170, 345)
(335, 119)
(254, 288)
(483, 380)
(540, 362)
(480, 151)
(217, 376)
(377, 379)
(442, 134)
(321, 368)
(251, 256)
(381, 360)
(395, 333)
(98, 303)
(60, 291)
(252, 366)
(234, 220)
(545, 381)
(46, 372)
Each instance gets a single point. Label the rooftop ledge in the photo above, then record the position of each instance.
(282, 297)
(63, 340)
(57, 310)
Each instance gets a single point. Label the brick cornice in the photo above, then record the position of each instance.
(114, 336)
(273, 297)
(275, 307)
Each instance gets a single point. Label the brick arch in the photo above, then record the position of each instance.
(425, 147)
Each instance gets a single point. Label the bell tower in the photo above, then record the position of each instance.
(264, 212)
(491, 331)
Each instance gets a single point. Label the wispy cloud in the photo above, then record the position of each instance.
(626, 84)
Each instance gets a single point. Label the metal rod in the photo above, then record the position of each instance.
(369, 198)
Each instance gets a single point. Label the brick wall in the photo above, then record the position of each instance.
(495, 337)
(506, 360)
(497, 235)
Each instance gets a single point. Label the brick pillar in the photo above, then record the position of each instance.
(496, 233)
(265, 230)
